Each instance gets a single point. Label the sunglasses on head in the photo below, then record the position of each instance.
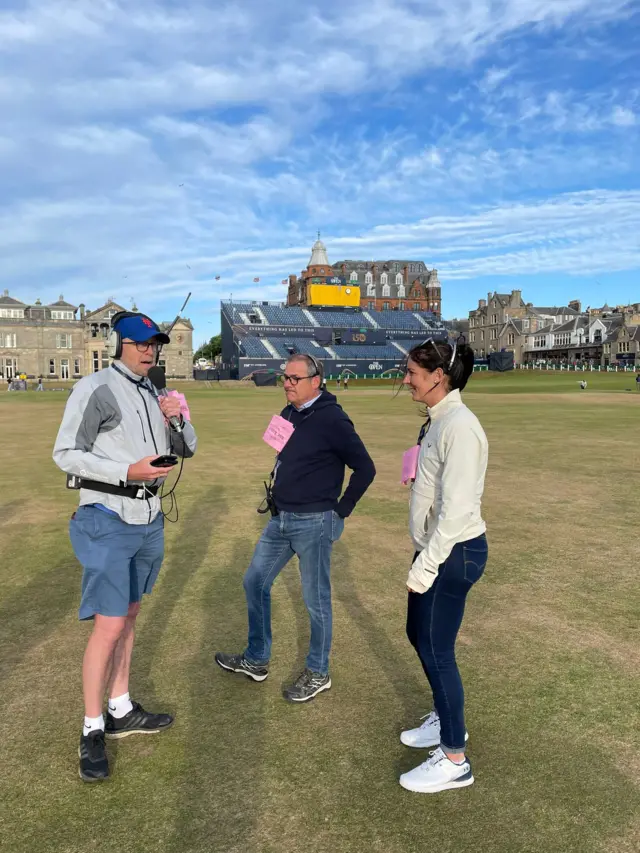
(437, 349)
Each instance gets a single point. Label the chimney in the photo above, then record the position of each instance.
(82, 310)
(6, 293)
(516, 298)
(405, 274)
(482, 303)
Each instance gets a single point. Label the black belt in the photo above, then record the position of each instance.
(133, 491)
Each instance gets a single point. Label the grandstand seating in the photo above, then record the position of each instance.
(253, 347)
(233, 310)
(303, 345)
(373, 352)
(342, 320)
(279, 316)
(395, 320)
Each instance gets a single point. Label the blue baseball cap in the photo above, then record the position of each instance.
(140, 328)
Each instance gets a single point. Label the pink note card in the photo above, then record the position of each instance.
(278, 433)
(184, 408)
(410, 464)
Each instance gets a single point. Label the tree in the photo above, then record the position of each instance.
(210, 350)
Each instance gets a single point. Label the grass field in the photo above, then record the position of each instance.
(549, 650)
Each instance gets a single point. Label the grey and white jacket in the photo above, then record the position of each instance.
(112, 420)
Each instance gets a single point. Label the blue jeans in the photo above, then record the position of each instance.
(433, 622)
(311, 537)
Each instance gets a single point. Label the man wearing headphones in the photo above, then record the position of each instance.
(307, 518)
(114, 427)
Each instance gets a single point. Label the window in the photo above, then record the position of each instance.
(111, 313)
(384, 278)
(371, 290)
(353, 276)
(386, 290)
(416, 306)
(401, 306)
(76, 366)
(563, 340)
(12, 313)
(10, 367)
(368, 279)
(63, 342)
(540, 341)
(372, 306)
(8, 340)
(62, 315)
(105, 331)
(105, 359)
(416, 294)
(399, 278)
(94, 330)
(96, 360)
(494, 318)
(494, 334)
(483, 321)
(623, 346)
(597, 336)
(401, 290)
(385, 306)
(472, 335)
(482, 334)
(525, 324)
(322, 272)
(52, 367)
(511, 339)
(471, 322)
(64, 368)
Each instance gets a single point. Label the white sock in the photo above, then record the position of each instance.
(120, 706)
(92, 724)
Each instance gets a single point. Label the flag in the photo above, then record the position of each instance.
(256, 279)
(217, 278)
(285, 280)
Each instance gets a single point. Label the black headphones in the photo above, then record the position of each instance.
(114, 341)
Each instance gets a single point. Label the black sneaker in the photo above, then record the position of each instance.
(136, 722)
(307, 685)
(238, 663)
(93, 757)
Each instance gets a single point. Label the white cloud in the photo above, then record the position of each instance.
(623, 117)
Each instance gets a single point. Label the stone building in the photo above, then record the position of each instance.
(384, 285)
(503, 321)
(62, 341)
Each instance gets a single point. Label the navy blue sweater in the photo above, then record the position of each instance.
(310, 468)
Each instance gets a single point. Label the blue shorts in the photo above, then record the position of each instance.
(121, 561)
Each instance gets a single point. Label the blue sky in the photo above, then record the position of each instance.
(147, 147)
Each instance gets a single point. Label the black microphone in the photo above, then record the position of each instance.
(159, 381)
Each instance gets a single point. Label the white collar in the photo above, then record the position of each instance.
(307, 404)
(452, 398)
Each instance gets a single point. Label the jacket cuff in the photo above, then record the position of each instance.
(415, 584)
(345, 508)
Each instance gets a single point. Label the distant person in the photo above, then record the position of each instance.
(40, 386)
(583, 384)
(8, 384)
(307, 517)
(338, 383)
(638, 381)
(346, 382)
(451, 553)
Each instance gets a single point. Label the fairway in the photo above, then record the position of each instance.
(549, 649)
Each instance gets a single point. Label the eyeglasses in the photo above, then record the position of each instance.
(143, 346)
(295, 379)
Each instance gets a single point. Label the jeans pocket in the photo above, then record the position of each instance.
(475, 561)
(337, 526)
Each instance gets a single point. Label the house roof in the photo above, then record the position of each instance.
(555, 311)
(5, 299)
(62, 304)
(106, 307)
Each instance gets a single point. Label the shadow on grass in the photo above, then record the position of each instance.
(401, 677)
(34, 612)
(225, 738)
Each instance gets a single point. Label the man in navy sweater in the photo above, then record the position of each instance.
(307, 482)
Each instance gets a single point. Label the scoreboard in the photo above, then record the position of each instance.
(363, 336)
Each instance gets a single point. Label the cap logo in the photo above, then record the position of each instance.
(147, 322)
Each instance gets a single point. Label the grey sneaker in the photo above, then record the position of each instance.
(307, 685)
(238, 663)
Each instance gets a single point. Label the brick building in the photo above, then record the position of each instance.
(62, 341)
(384, 285)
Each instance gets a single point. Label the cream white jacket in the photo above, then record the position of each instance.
(446, 495)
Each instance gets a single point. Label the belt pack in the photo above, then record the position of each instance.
(134, 491)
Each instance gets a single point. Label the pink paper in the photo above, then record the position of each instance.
(278, 433)
(410, 464)
(184, 408)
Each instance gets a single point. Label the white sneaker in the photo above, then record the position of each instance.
(428, 734)
(438, 773)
